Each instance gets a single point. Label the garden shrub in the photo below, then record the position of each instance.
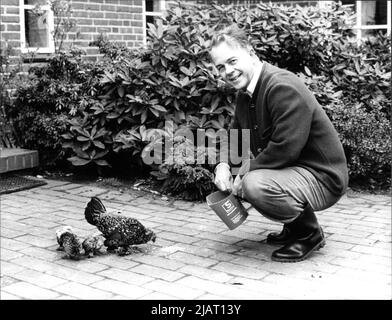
(42, 131)
(111, 50)
(53, 94)
(11, 77)
(117, 109)
(67, 83)
(363, 73)
(169, 81)
(182, 174)
(366, 137)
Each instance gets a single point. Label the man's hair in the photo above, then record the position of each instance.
(233, 35)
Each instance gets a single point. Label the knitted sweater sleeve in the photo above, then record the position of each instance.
(291, 117)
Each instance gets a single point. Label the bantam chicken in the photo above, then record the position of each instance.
(71, 245)
(120, 232)
(94, 245)
(59, 232)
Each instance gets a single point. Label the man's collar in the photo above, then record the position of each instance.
(256, 75)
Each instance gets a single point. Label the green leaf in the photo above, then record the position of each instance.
(149, 81)
(185, 81)
(159, 108)
(163, 62)
(93, 131)
(79, 130)
(113, 115)
(350, 73)
(76, 161)
(86, 145)
(81, 153)
(101, 132)
(82, 138)
(102, 163)
(186, 71)
(67, 136)
(180, 115)
(121, 91)
(99, 144)
(159, 29)
(215, 103)
(143, 117)
(307, 71)
(152, 30)
(154, 112)
(100, 154)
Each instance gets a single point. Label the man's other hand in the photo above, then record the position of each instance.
(237, 185)
(223, 178)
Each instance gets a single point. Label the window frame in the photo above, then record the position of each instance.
(50, 20)
(359, 27)
(160, 13)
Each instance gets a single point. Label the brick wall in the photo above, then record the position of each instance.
(10, 22)
(120, 20)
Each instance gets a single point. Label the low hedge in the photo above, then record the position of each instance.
(46, 100)
(366, 137)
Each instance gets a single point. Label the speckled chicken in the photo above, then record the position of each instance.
(120, 232)
(59, 232)
(70, 244)
(94, 245)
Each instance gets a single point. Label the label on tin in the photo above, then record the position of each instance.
(228, 206)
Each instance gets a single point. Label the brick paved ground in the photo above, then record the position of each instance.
(195, 255)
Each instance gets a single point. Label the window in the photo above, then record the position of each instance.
(152, 9)
(36, 26)
(372, 17)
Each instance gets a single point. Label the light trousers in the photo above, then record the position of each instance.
(282, 194)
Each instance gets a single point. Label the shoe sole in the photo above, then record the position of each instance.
(317, 247)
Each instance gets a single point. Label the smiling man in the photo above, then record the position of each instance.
(298, 165)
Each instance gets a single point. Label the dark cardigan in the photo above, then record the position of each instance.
(288, 127)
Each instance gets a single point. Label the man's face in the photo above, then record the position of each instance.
(234, 63)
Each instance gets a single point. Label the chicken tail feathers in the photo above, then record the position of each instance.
(93, 210)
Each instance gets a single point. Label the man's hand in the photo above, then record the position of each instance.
(223, 178)
(237, 185)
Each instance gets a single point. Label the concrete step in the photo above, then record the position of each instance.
(12, 159)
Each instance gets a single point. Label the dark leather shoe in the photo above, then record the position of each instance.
(281, 238)
(307, 236)
(301, 248)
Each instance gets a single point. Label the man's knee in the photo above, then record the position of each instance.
(268, 198)
(257, 189)
(252, 188)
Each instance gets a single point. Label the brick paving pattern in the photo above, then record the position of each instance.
(195, 256)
